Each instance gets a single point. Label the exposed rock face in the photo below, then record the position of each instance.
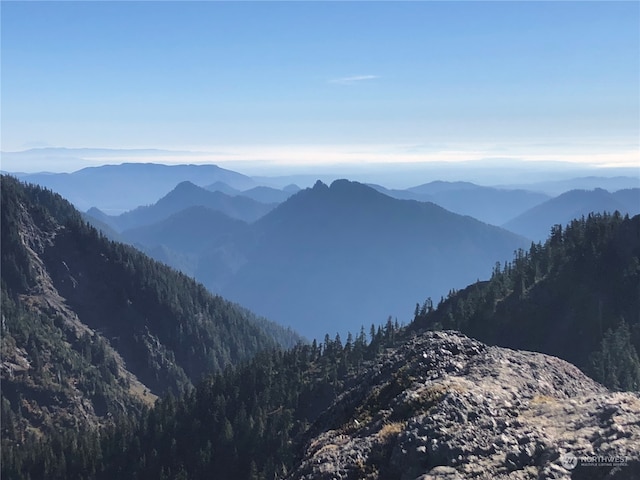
(443, 406)
(60, 401)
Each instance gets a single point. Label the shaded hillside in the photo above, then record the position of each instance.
(135, 183)
(334, 258)
(186, 195)
(199, 241)
(192, 229)
(630, 199)
(94, 217)
(91, 326)
(577, 297)
(536, 223)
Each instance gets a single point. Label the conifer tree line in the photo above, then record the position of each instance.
(247, 422)
(577, 296)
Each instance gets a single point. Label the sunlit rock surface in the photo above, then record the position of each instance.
(443, 406)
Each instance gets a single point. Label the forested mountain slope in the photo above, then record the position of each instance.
(577, 296)
(199, 241)
(91, 327)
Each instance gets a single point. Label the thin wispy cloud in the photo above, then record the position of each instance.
(352, 80)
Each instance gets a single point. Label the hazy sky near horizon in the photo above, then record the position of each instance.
(314, 82)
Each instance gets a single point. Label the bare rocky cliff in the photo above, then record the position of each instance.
(443, 406)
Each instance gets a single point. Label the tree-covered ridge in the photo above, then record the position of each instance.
(577, 296)
(92, 328)
(248, 422)
(159, 319)
(18, 274)
(55, 377)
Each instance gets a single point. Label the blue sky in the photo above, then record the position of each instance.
(326, 81)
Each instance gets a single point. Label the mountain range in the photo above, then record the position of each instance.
(118, 188)
(185, 195)
(535, 213)
(270, 263)
(282, 260)
(115, 366)
(363, 253)
(139, 184)
(557, 187)
(488, 204)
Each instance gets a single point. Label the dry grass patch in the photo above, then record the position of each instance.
(390, 430)
(141, 392)
(542, 399)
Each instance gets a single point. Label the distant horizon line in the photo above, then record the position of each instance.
(356, 167)
(295, 158)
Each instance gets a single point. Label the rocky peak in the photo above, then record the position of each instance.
(444, 406)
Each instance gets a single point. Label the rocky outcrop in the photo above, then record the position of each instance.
(444, 406)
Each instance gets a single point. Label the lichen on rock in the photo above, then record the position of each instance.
(444, 406)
